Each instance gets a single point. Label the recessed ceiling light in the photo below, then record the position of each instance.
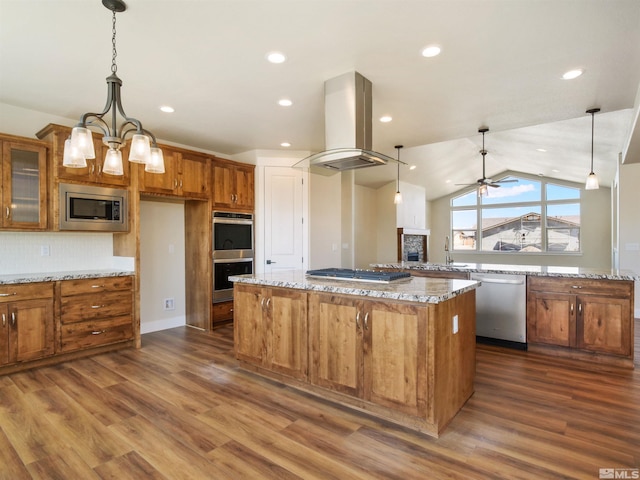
(285, 102)
(167, 109)
(571, 74)
(447, 181)
(285, 144)
(555, 171)
(412, 167)
(276, 57)
(541, 150)
(431, 51)
(386, 119)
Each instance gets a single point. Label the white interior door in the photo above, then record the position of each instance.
(283, 219)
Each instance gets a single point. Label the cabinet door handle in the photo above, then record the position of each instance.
(7, 214)
(98, 332)
(366, 321)
(262, 303)
(13, 318)
(358, 319)
(580, 309)
(180, 183)
(8, 294)
(97, 306)
(572, 309)
(99, 170)
(92, 169)
(4, 320)
(175, 183)
(268, 301)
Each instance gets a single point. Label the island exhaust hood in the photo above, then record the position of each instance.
(348, 126)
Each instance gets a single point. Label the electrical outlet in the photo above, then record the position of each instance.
(455, 324)
(169, 304)
(44, 250)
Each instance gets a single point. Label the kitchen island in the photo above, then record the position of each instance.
(581, 313)
(403, 351)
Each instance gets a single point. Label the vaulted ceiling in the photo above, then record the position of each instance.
(501, 66)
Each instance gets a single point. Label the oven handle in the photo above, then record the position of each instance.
(232, 260)
(239, 221)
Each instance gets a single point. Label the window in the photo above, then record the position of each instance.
(521, 215)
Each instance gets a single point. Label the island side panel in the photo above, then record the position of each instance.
(454, 355)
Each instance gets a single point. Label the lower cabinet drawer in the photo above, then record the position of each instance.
(79, 308)
(222, 311)
(80, 335)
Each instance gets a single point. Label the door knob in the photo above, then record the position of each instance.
(269, 262)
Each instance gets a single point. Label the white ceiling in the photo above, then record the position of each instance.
(501, 67)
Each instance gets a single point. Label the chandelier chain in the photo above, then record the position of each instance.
(114, 53)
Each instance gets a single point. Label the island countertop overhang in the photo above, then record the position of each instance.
(413, 289)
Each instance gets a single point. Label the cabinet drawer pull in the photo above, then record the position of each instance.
(576, 286)
(366, 321)
(98, 332)
(97, 306)
(8, 294)
(97, 286)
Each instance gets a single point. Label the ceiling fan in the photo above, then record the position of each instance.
(485, 182)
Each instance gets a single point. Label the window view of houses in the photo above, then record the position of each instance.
(521, 216)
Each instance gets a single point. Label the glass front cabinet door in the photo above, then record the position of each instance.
(24, 185)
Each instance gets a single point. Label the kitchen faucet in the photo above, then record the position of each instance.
(447, 252)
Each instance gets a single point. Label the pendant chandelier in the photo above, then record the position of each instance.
(592, 180)
(144, 148)
(397, 199)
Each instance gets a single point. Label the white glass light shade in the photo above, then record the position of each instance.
(113, 162)
(592, 182)
(82, 139)
(482, 191)
(140, 151)
(397, 199)
(72, 157)
(156, 164)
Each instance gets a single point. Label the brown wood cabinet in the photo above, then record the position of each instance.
(95, 312)
(594, 316)
(430, 273)
(222, 312)
(270, 329)
(92, 173)
(26, 322)
(23, 184)
(233, 185)
(370, 349)
(187, 174)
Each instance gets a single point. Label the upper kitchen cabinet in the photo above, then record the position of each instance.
(187, 174)
(92, 173)
(233, 185)
(23, 184)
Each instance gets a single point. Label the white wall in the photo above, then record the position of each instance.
(162, 265)
(365, 223)
(21, 252)
(411, 213)
(387, 225)
(595, 235)
(325, 230)
(629, 226)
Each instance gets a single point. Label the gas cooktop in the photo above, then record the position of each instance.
(358, 275)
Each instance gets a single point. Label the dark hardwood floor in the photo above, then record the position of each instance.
(179, 408)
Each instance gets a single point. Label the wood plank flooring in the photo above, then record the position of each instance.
(179, 408)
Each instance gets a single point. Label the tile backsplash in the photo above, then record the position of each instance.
(37, 252)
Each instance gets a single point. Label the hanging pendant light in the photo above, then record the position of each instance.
(397, 199)
(592, 180)
(79, 146)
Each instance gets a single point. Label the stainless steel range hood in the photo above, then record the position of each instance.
(348, 126)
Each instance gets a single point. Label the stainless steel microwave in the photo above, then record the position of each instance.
(85, 207)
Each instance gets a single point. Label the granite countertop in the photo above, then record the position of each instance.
(412, 289)
(53, 276)
(531, 270)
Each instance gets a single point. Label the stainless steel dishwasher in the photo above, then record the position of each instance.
(501, 308)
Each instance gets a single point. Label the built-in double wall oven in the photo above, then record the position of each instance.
(232, 251)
